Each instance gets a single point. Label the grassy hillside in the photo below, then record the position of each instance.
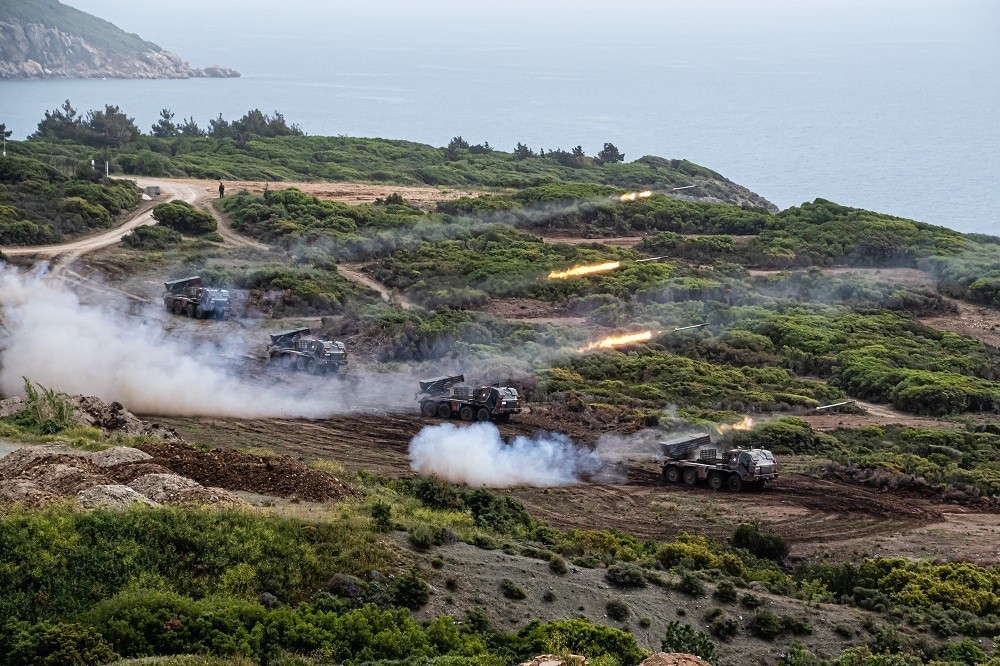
(276, 158)
(39, 204)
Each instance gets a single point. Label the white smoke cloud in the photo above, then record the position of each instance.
(476, 455)
(52, 338)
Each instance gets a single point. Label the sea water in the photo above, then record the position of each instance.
(888, 105)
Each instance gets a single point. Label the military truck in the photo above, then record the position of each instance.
(298, 349)
(694, 459)
(188, 297)
(445, 398)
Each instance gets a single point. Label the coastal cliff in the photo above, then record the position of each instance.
(47, 39)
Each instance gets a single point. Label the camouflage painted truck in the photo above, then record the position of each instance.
(445, 398)
(298, 349)
(189, 297)
(694, 459)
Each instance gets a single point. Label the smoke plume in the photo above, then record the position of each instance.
(476, 455)
(49, 336)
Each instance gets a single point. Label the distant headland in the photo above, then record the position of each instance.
(41, 39)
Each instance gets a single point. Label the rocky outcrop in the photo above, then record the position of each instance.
(36, 51)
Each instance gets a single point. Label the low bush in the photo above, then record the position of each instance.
(511, 590)
(411, 591)
(617, 610)
(765, 624)
(626, 575)
(766, 545)
(151, 238)
(725, 592)
(691, 585)
(683, 638)
(184, 218)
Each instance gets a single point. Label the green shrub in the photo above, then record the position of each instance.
(381, 513)
(625, 575)
(184, 218)
(725, 592)
(557, 565)
(766, 625)
(511, 590)
(617, 610)
(762, 544)
(48, 644)
(151, 238)
(683, 638)
(724, 627)
(691, 585)
(411, 591)
(422, 536)
(578, 637)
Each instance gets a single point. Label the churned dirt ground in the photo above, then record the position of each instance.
(817, 516)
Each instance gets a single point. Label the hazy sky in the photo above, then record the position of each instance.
(691, 21)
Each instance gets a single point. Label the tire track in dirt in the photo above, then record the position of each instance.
(803, 509)
(355, 273)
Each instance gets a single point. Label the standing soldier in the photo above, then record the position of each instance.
(222, 190)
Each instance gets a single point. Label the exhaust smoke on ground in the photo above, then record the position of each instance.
(476, 455)
(52, 338)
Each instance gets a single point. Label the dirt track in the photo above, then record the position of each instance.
(171, 189)
(815, 515)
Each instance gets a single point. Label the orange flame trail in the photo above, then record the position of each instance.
(584, 270)
(746, 424)
(613, 341)
(632, 196)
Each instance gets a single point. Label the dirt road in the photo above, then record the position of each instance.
(354, 273)
(67, 252)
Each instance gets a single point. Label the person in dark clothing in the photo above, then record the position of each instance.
(222, 190)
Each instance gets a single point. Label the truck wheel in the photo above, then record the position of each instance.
(716, 482)
(735, 482)
(428, 409)
(313, 367)
(190, 310)
(300, 364)
(444, 410)
(177, 308)
(483, 414)
(672, 474)
(690, 477)
(288, 362)
(199, 313)
(466, 413)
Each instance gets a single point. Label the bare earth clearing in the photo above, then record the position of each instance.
(351, 193)
(816, 516)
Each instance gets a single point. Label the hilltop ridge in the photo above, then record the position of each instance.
(47, 39)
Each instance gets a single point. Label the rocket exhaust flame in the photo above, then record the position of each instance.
(613, 341)
(577, 271)
(632, 196)
(746, 424)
